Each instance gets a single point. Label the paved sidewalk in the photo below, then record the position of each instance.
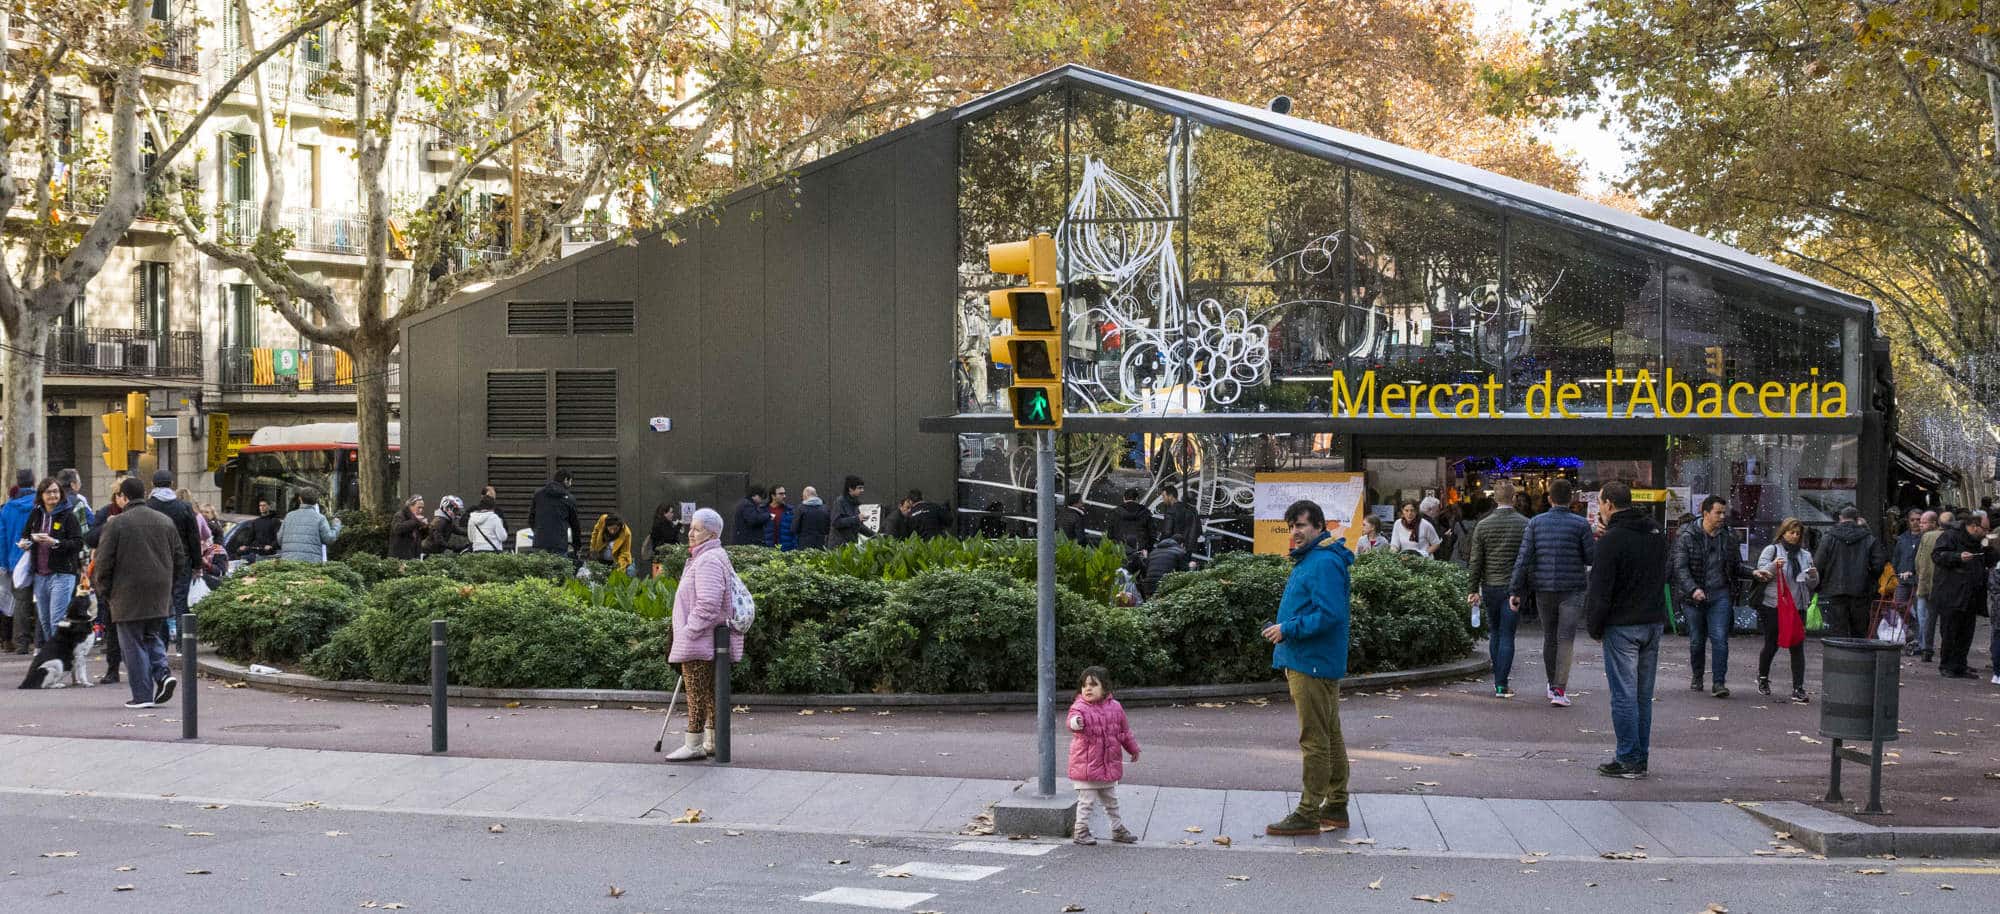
(802, 801)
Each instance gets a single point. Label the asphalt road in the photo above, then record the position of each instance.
(1455, 736)
(181, 857)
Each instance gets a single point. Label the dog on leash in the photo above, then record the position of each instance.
(67, 654)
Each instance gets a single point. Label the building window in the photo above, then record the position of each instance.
(240, 308)
(239, 178)
(152, 298)
(163, 10)
(65, 123)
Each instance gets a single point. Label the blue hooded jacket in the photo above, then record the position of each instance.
(14, 520)
(1314, 612)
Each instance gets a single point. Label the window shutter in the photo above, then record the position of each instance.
(142, 316)
(587, 404)
(604, 317)
(517, 404)
(537, 318)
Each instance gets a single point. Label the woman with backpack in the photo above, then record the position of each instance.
(703, 601)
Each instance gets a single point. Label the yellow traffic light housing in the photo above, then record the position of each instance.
(116, 444)
(1712, 360)
(1034, 349)
(136, 409)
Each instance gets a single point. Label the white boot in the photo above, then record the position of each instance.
(689, 751)
(708, 743)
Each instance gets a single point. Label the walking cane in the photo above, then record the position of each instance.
(664, 724)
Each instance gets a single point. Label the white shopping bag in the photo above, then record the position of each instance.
(197, 589)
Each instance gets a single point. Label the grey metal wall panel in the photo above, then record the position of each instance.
(798, 400)
(733, 424)
(926, 293)
(861, 335)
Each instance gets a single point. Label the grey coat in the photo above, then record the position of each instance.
(1803, 578)
(305, 535)
(137, 560)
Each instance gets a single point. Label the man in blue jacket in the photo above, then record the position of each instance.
(14, 519)
(1556, 552)
(1311, 639)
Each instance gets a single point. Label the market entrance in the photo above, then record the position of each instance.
(1458, 470)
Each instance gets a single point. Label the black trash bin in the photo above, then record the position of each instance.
(1860, 680)
(1860, 684)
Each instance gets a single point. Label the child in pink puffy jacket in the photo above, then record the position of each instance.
(1098, 735)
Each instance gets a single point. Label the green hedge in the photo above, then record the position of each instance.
(906, 616)
(278, 612)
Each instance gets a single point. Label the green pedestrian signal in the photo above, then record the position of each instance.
(1036, 406)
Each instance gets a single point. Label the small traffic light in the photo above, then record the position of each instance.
(1034, 348)
(136, 420)
(116, 457)
(1712, 360)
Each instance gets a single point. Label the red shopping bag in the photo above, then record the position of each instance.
(1791, 628)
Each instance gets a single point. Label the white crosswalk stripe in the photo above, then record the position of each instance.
(1011, 848)
(872, 898)
(954, 872)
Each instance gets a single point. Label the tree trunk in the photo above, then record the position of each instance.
(23, 428)
(371, 414)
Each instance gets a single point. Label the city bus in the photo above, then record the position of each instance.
(280, 460)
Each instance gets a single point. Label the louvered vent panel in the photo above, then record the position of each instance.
(587, 404)
(516, 478)
(532, 318)
(517, 404)
(603, 317)
(595, 487)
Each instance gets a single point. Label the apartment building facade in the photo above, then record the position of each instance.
(190, 331)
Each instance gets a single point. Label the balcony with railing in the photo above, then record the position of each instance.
(237, 221)
(79, 191)
(277, 370)
(311, 79)
(122, 353)
(178, 49)
(327, 231)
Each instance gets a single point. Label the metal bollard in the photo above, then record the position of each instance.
(722, 645)
(190, 728)
(439, 658)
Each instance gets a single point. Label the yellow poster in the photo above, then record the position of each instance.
(1342, 496)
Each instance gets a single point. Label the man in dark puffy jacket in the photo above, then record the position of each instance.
(259, 538)
(1850, 561)
(1070, 518)
(1959, 591)
(1705, 566)
(1556, 548)
(1179, 519)
(554, 518)
(163, 500)
(753, 520)
(1132, 524)
(1166, 558)
(846, 525)
(925, 519)
(811, 524)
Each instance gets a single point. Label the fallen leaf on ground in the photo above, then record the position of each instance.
(1193, 829)
(1530, 860)
(732, 834)
(616, 892)
(123, 869)
(1235, 878)
(688, 818)
(1708, 718)
(1623, 855)
(198, 872)
(806, 712)
(496, 828)
(1357, 840)
(1377, 884)
(838, 862)
(215, 806)
(59, 853)
(1072, 908)
(1427, 783)
(336, 834)
(1222, 840)
(123, 888)
(1947, 887)
(200, 834)
(511, 704)
(1714, 908)
(1383, 717)
(1439, 898)
(1808, 739)
(1463, 755)
(1872, 872)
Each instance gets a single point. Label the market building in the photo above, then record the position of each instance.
(1235, 277)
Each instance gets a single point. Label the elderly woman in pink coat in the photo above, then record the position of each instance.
(702, 602)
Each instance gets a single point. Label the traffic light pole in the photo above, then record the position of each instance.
(1045, 608)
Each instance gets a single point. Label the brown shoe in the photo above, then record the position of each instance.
(1082, 835)
(1333, 817)
(1123, 836)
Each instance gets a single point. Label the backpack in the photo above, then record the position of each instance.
(742, 607)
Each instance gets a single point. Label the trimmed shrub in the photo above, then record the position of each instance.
(279, 612)
(791, 595)
(1208, 622)
(1090, 571)
(1097, 634)
(469, 567)
(648, 667)
(671, 559)
(1409, 612)
(948, 630)
(804, 661)
(361, 533)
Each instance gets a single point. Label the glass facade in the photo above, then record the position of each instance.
(1235, 276)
